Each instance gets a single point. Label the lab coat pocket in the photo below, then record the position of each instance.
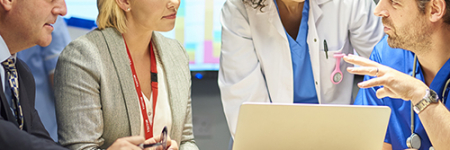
(328, 66)
(328, 61)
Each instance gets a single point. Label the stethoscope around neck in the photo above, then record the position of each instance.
(414, 140)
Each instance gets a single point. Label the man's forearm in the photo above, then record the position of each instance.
(436, 121)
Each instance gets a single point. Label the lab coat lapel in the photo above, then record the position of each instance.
(316, 9)
(314, 41)
(270, 14)
(275, 56)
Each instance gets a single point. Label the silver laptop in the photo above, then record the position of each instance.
(310, 127)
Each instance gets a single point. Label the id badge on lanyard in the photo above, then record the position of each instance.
(148, 126)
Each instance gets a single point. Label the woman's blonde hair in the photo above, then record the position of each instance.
(111, 15)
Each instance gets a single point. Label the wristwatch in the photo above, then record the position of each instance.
(430, 97)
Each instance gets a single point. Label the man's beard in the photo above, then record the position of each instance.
(415, 36)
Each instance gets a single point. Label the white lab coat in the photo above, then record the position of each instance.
(255, 62)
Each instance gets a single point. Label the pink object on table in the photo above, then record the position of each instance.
(336, 75)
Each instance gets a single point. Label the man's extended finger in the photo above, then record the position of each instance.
(371, 71)
(385, 92)
(380, 81)
(360, 61)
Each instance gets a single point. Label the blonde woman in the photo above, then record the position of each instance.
(123, 83)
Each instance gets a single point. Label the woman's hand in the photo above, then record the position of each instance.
(127, 143)
(170, 144)
(395, 84)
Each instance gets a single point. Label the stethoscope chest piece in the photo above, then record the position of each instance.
(413, 141)
(336, 75)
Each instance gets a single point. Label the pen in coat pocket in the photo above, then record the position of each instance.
(325, 47)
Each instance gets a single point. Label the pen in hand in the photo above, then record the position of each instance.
(162, 141)
(325, 46)
(143, 146)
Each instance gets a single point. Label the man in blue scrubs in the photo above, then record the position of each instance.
(423, 28)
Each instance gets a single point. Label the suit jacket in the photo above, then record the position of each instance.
(33, 136)
(96, 100)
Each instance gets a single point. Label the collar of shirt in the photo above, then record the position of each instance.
(4, 51)
(440, 79)
(4, 54)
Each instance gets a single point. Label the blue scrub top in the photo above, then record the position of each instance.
(399, 128)
(304, 88)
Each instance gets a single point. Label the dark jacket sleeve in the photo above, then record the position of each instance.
(11, 138)
(34, 136)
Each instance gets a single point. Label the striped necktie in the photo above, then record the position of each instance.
(10, 68)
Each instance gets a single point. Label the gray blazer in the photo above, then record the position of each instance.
(96, 100)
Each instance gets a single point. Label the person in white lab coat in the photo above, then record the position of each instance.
(275, 50)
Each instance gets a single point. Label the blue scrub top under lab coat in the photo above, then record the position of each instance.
(304, 88)
(399, 128)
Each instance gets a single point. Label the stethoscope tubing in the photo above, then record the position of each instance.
(412, 106)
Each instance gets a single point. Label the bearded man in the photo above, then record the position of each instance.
(409, 71)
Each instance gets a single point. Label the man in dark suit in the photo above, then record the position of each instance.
(23, 24)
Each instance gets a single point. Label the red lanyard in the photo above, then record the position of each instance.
(148, 127)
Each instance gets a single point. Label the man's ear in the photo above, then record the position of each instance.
(124, 4)
(436, 10)
(6, 4)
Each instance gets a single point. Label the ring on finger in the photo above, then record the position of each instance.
(376, 74)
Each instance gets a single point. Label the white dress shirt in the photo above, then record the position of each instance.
(163, 112)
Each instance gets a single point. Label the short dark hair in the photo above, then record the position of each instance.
(423, 3)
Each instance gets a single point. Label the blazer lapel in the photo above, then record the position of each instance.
(119, 56)
(166, 59)
(5, 108)
(25, 85)
(23, 96)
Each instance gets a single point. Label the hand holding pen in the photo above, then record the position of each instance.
(158, 144)
(161, 142)
(139, 143)
(130, 142)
